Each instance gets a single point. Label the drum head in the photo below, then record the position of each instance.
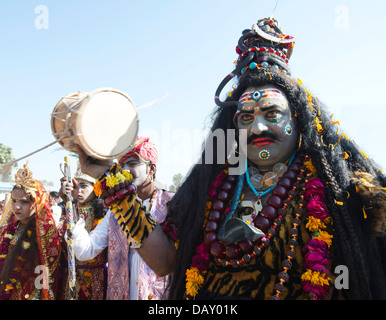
(107, 124)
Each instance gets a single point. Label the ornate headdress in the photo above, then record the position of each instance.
(264, 46)
(143, 150)
(23, 177)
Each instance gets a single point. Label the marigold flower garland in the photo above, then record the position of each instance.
(200, 261)
(114, 185)
(110, 181)
(316, 279)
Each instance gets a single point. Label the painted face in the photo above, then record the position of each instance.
(86, 191)
(22, 208)
(139, 170)
(271, 131)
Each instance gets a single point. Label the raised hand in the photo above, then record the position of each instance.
(91, 166)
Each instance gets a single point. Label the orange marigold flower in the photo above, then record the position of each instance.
(325, 237)
(310, 166)
(314, 223)
(194, 280)
(98, 189)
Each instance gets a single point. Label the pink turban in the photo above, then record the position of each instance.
(143, 150)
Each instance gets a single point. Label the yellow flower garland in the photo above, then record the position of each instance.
(194, 281)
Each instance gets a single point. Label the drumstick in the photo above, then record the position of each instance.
(152, 102)
(9, 164)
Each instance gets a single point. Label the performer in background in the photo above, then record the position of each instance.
(29, 243)
(91, 274)
(308, 200)
(129, 276)
(56, 210)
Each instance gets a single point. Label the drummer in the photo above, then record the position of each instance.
(129, 277)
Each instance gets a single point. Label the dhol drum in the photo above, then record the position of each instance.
(104, 123)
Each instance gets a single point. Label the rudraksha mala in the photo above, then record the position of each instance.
(290, 185)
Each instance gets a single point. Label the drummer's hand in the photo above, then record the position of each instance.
(91, 166)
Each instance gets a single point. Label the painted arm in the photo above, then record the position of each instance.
(158, 252)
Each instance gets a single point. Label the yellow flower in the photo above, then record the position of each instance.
(111, 181)
(128, 176)
(316, 277)
(325, 237)
(310, 166)
(120, 177)
(363, 154)
(344, 135)
(314, 223)
(194, 281)
(334, 122)
(191, 289)
(194, 275)
(318, 124)
(9, 236)
(328, 220)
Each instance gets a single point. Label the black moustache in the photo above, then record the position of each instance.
(269, 135)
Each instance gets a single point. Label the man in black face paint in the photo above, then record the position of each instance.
(271, 130)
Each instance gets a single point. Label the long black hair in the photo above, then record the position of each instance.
(337, 161)
(13, 254)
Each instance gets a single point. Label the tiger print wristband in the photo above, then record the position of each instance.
(132, 217)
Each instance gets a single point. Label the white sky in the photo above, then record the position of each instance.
(184, 49)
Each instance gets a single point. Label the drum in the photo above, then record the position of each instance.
(104, 123)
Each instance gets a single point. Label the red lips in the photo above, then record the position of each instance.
(262, 141)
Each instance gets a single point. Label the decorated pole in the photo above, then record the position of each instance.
(70, 218)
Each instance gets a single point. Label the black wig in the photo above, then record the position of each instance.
(358, 217)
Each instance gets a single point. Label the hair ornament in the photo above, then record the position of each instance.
(261, 49)
(23, 177)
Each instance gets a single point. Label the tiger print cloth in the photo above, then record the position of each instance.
(136, 223)
(257, 279)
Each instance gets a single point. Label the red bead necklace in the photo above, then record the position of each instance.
(269, 220)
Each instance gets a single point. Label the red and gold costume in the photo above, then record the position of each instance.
(34, 275)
